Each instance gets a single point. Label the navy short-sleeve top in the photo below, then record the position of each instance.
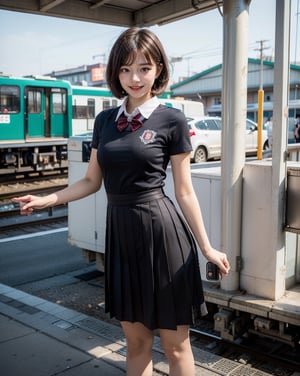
(137, 161)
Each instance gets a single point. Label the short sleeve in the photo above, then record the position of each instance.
(179, 136)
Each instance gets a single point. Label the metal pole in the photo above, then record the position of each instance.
(260, 115)
(260, 120)
(296, 36)
(234, 99)
(279, 145)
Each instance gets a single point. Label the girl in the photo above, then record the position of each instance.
(152, 276)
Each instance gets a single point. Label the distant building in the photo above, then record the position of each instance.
(207, 85)
(85, 75)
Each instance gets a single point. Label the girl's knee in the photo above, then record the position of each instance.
(139, 345)
(175, 353)
(176, 344)
(138, 338)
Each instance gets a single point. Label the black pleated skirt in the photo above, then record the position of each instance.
(152, 273)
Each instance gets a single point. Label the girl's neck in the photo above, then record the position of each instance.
(133, 103)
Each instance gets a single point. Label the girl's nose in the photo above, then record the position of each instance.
(135, 76)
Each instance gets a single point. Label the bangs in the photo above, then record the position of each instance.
(130, 56)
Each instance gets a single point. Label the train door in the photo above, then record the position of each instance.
(58, 110)
(35, 108)
(46, 110)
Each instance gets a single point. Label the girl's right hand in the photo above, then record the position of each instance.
(29, 202)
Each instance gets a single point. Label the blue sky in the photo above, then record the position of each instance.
(33, 44)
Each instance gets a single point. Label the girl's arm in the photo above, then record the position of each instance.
(189, 205)
(89, 184)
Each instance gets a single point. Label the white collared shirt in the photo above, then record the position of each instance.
(145, 109)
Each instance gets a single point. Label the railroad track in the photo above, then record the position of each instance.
(257, 353)
(10, 189)
(17, 225)
(32, 176)
(10, 218)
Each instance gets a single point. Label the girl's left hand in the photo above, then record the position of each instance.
(220, 259)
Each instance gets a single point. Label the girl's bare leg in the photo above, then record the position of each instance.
(177, 348)
(139, 349)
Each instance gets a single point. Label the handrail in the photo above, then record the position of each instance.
(293, 152)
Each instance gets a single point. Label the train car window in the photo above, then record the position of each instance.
(34, 101)
(106, 104)
(9, 99)
(79, 112)
(91, 108)
(59, 101)
(114, 103)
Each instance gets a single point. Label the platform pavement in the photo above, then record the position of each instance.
(41, 338)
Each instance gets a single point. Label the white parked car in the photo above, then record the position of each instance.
(205, 135)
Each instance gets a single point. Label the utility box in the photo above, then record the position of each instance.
(87, 217)
(292, 208)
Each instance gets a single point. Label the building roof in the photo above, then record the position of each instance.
(114, 12)
(210, 80)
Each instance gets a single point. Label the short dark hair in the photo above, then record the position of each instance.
(124, 51)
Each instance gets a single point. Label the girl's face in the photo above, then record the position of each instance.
(138, 78)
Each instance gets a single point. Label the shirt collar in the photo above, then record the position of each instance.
(145, 109)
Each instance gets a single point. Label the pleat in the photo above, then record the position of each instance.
(152, 271)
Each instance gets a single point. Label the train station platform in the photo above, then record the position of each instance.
(41, 338)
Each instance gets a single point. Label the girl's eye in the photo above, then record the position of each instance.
(123, 70)
(146, 69)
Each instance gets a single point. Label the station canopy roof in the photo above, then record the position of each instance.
(124, 13)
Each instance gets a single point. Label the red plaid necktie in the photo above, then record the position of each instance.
(135, 123)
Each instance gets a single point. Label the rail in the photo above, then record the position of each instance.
(24, 223)
(293, 152)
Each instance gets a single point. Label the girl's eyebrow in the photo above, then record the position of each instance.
(140, 64)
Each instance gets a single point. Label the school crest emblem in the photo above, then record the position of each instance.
(148, 136)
